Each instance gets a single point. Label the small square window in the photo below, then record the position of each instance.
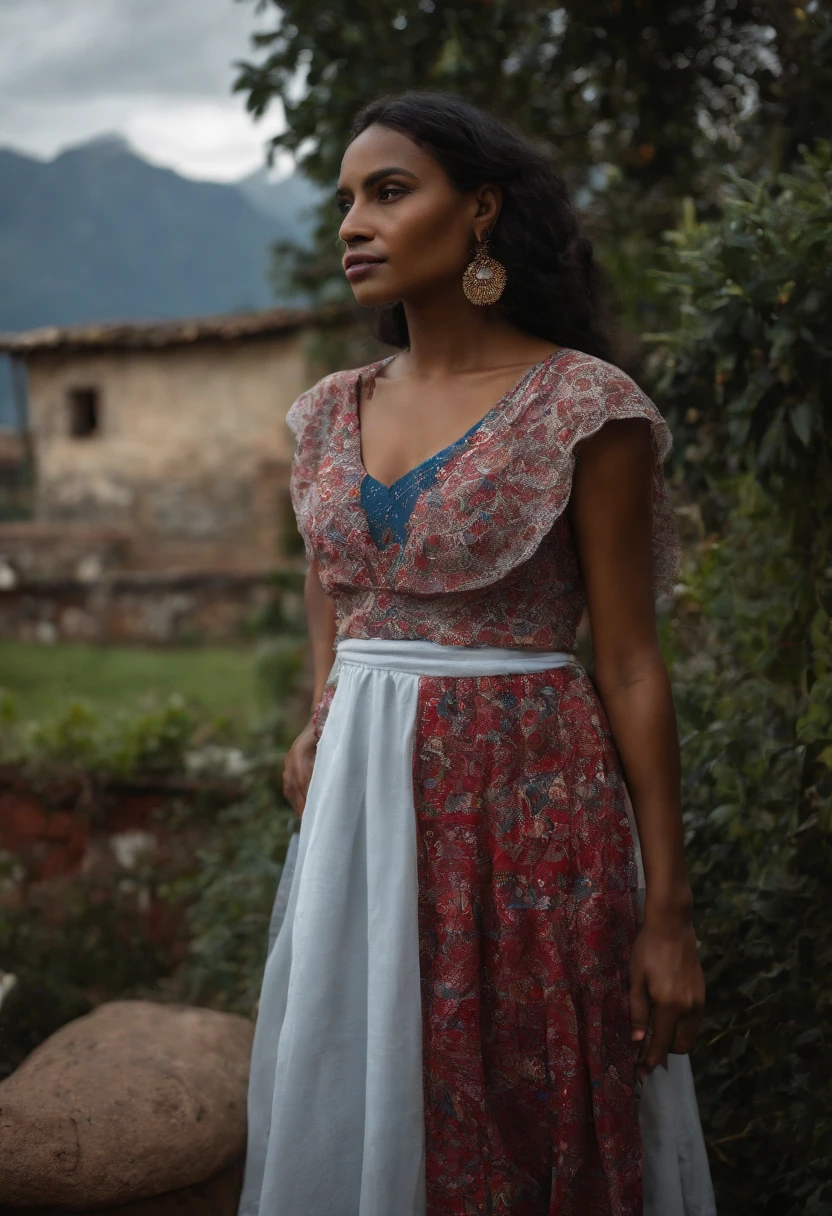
(84, 412)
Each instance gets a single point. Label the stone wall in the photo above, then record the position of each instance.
(155, 608)
(33, 552)
(81, 827)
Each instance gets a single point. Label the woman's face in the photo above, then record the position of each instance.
(408, 231)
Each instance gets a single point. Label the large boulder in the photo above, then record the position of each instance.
(219, 1196)
(132, 1101)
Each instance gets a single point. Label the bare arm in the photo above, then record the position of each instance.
(320, 620)
(611, 520)
(320, 623)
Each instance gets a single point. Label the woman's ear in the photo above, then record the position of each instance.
(489, 202)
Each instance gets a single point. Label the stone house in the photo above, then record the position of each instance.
(160, 466)
(171, 434)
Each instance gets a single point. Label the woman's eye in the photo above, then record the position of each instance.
(386, 195)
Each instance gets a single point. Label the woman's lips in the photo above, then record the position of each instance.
(359, 269)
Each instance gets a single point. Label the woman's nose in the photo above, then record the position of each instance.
(355, 226)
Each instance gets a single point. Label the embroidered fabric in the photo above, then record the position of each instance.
(388, 508)
(486, 556)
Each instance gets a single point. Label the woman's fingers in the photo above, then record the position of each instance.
(289, 788)
(674, 1029)
(297, 771)
(665, 965)
(687, 1032)
(639, 1007)
(293, 784)
(306, 763)
(664, 1028)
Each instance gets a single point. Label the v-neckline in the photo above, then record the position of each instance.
(417, 470)
(372, 370)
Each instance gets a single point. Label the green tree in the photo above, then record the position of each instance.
(746, 379)
(747, 375)
(633, 83)
(638, 99)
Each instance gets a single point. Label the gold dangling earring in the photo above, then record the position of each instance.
(484, 279)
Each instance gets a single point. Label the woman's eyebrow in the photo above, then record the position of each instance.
(372, 178)
(388, 172)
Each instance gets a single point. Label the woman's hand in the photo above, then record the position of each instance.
(667, 991)
(297, 768)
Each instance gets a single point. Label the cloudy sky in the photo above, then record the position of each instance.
(159, 72)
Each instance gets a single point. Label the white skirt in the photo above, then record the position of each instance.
(335, 1105)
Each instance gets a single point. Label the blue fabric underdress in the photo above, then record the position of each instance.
(388, 508)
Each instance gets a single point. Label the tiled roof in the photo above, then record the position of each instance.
(149, 335)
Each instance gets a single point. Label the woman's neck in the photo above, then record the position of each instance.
(448, 335)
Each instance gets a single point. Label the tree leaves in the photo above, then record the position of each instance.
(753, 673)
(640, 103)
(757, 290)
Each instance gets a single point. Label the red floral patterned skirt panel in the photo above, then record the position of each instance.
(527, 917)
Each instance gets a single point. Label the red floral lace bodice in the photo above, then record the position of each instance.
(488, 558)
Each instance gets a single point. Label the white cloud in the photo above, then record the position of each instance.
(202, 139)
(157, 71)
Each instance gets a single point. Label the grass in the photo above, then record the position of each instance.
(44, 678)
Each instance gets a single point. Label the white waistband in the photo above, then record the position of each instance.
(422, 658)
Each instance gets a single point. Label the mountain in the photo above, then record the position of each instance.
(101, 234)
(98, 233)
(290, 200)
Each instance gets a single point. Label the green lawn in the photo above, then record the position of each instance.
(43, 678)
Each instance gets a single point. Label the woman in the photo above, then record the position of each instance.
(462, 1012)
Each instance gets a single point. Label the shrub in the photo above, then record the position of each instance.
(229, 896)
(77, 740)
(746, 379)
(74, 941)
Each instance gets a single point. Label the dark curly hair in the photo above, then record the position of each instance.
(555, 289)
